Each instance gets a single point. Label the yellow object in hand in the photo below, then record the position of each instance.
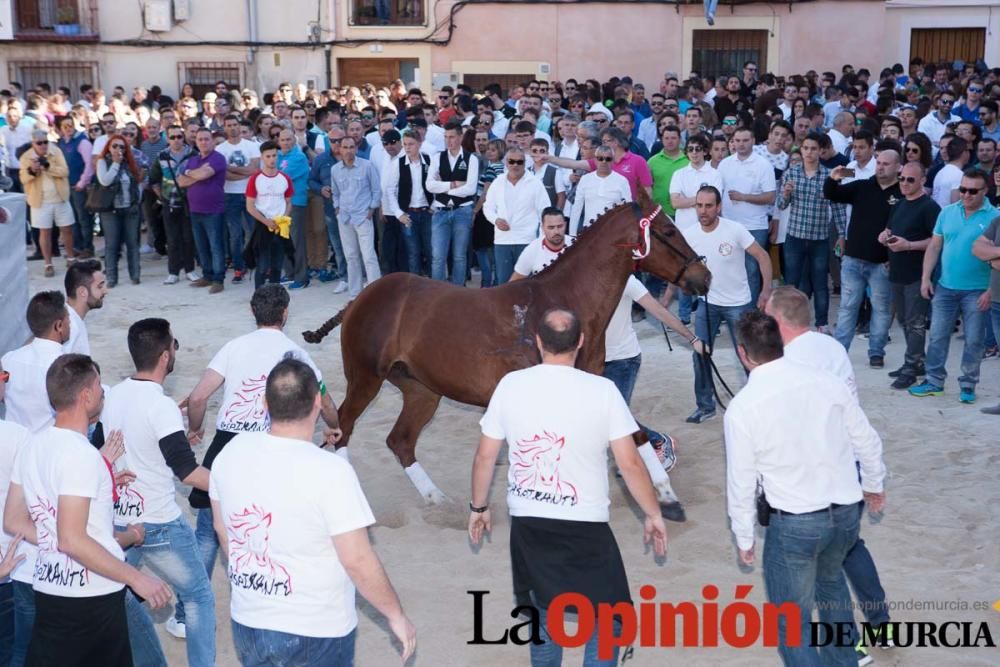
(284, 226)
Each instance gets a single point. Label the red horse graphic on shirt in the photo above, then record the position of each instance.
(536, 467)
(51, 565)
(248, 407)
(250, 564)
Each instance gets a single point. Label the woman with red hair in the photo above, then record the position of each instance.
(117, 168)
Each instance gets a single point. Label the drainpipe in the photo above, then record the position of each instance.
(332, 13)
(252, 29)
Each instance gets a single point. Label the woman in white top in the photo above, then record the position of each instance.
(117, 168)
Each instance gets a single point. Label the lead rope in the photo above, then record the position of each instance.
(708, 364)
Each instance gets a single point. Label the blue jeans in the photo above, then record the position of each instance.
(703, 394)
(417, 238)
(684, 301)
(24, 621)
(146, 648)
(549, 654)
(863, 577)
(487, 265)
(710, 6)
(855, 276)
(451, 228)
(209, 242)
(333, 236)
(991, 333)
(754, 276)
(238, 223)
(208, 547)
(505, 256)
(269, 648)
(804, 564)
(171, 551)
(994, 318)
(121, 226)
(6, 622)
(807, 263)
(945, 307)
(83, 231)
(624, 372)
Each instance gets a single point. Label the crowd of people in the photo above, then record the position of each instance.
(882, 191)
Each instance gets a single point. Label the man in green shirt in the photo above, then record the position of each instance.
(665, 164)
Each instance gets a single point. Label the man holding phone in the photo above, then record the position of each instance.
(911, 224)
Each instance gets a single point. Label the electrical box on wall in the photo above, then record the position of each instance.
(182, 10)
(157, 15)
(441, 79)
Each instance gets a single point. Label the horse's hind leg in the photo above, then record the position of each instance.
(419, 405)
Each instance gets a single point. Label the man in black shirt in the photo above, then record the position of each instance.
(911, 224)
(864, 258)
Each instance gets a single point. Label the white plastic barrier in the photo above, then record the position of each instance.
(13, 273)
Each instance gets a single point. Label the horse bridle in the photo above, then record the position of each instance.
(642, 248)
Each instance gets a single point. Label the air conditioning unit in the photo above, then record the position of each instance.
(441, 79)
(158, 15)
(182, 10)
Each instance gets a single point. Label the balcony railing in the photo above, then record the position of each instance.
(388, 12)
(64, 20)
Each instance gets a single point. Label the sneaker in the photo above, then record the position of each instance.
(666, 452)
(825, 330)
(325, 276)
(990, 353)
(193, 276)
(215, 288)
(699, 416)
(135, 281)
(237, 277)
(50, 271)
(925, 388)
(175, 628)
(171, 279)
(201, 282)
(146, 249)
(340, 287)
(286, 281)
(902, 370)
(876, 362)
(312, 273)
(967, 396)
(904, 382)
(299, 284)
(890, 637)
(995, 410)
(861, 653)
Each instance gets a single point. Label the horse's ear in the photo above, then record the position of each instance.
(644, 200)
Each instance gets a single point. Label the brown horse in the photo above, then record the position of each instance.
(432, 338)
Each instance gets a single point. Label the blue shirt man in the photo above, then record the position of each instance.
(356, 193)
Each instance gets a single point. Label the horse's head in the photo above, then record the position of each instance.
(664, 252)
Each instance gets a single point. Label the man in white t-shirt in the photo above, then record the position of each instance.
(86, 286)
(727, 247)
(22, 371)
(749, 190)
(955, 153)
(297, 545)
(242, 159)
(240, 369)
(157, 451)
(546, 248)
(558, 422)
(61, 498)
(598, 191)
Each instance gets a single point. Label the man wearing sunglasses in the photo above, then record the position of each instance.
(163, 181)
(964, 287)
(45, 178)
(968, 109)
(935, 124)
(988, 120)
(514, 204)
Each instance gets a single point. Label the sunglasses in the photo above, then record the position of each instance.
(908, 179)
(367, 116)
(390, 142)
(912, 149)
(107, 122)
(40, 143)
(604, 159)
(443, 97)
(515, 162)
(944, 101)
(177, 345)
(172, 137)
(695, 149)
(729, 122)
(118, 147)
(975, 90)
(656, 103)
(538, 151)
(969, 191)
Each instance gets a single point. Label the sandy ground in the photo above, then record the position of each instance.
(937, 542)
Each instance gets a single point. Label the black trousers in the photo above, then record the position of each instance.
(80, 631)
(180, 240)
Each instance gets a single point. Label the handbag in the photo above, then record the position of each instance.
(101, 198)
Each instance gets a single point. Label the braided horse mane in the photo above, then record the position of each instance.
(605, 214)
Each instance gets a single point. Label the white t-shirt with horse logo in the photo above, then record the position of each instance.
(282, 502)
(558, 423)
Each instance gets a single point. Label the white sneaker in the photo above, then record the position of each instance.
(170, 279)
(340, 288)
(175, 628)
(193, 276)
(146, 249)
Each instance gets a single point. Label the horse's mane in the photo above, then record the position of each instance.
(584, 231)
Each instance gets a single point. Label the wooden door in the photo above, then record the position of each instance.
(359, 71)
(936, 45)
(723, 52)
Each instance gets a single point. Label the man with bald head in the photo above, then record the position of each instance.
(864, 257)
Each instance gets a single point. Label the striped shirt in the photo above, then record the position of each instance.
(811, 213)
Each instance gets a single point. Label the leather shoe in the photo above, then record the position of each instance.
(904, 382)
(876, 362)
(699, 416)
(900, 371)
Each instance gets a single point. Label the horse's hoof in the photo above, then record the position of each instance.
(436, 497)
(673, 512)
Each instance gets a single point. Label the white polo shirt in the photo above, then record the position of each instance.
(26, 396)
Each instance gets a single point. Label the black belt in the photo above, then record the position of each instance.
(831, 506)
(419, 209)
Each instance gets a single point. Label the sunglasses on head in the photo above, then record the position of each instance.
(969, 191)
(515, 162)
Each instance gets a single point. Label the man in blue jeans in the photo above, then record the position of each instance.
(453, 178)
(319, 183)
(242, 161)
(205, 178)
(987, 248)
(865, 260)
(158, 451)
(407, 199)
(725, 245)
(813, 492)
(964, 286)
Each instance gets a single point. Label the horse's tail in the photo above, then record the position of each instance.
(328, 326)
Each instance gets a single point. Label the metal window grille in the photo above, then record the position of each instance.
(203, 75)
(71, 74)
(388, 12)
